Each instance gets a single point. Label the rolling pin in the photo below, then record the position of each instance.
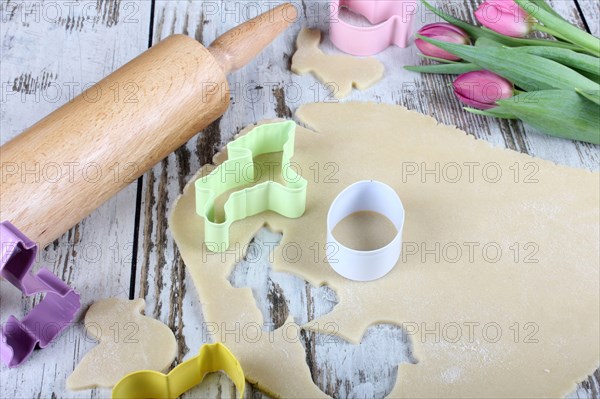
(100, 142)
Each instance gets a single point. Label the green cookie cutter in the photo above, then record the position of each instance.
(288, 200)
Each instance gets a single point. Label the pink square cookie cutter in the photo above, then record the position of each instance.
(392, 21)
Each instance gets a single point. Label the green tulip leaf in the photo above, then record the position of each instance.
(560, 113)
(573, 59)
(529, 72)
(487, 42)
(497, 112)
(452, 69)
(442, 60)
(594, 97)
(590, 76)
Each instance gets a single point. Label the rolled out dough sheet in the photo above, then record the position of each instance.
(498, 284)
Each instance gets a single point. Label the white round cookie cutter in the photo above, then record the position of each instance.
(366, 195)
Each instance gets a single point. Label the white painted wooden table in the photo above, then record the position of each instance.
(51, 50)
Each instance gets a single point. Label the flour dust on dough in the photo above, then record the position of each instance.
(341, 72)
(129, 341)
(498, 283)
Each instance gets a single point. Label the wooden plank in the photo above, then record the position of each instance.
(51, 50)
(278, 104)
(170, 296)
(267, 89)
(590, 12)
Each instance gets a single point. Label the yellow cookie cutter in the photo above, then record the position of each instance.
(150, 384)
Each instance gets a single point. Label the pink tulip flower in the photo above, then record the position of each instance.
(505, 17)
(481, 89)
(444, 32)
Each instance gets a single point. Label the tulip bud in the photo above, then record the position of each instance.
(444, 32)
(504, 17)
(481, 89)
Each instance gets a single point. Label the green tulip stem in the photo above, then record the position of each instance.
(545, 29)
(566, 31)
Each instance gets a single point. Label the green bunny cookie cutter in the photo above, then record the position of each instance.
(288, 199)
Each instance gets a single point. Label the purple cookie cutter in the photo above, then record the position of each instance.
(46, 320)
(394, 19)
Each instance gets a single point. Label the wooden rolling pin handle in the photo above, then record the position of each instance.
(240, 45)
(175, 89)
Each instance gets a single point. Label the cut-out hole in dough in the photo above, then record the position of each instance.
(279, 295)
(339, 368)
(367, 370)
(365, 231)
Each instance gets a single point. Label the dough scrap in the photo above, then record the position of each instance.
(129, 341)
(342, 71)
(548, 284)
